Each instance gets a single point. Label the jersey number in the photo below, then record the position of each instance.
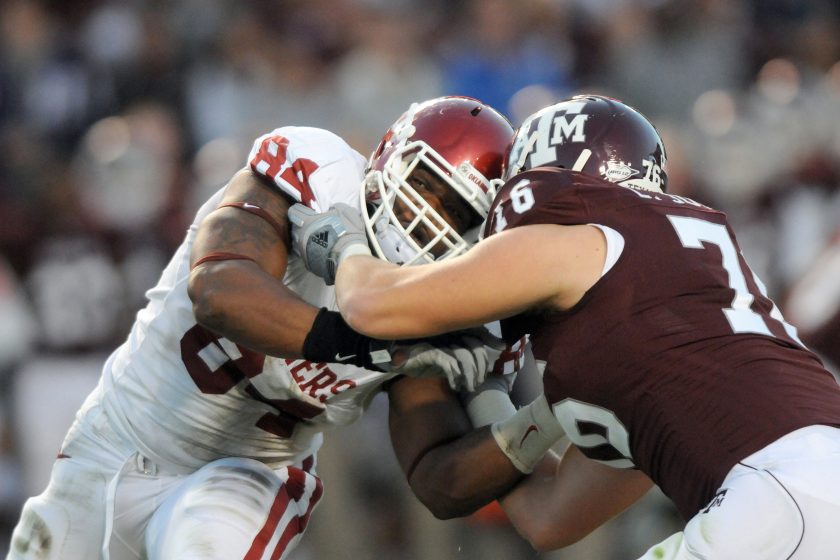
(521, 200)
(217, 365)
(693, 232)
(598, 430)
(292, 177)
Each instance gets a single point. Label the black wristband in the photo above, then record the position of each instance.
(332, 340)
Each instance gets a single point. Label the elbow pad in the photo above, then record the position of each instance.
(527, 435)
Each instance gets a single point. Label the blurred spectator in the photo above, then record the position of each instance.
(17, 323)
(77, 294)
(48, 86)
(17, 337)
(254, 77)
(496, 48)
(661, 57)
(813, 303)
(807, 31)
(386, 69)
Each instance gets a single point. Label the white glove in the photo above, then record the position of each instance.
(324, 239)
(492, 402)
(463, 357)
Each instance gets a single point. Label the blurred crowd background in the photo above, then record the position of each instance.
(117, 118)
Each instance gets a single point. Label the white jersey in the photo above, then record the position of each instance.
(185, 396)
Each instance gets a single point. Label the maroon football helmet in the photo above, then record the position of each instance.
(462, 142)
(594, 135)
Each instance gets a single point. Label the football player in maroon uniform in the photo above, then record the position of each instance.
(664, 360)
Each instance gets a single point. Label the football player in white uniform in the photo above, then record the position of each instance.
(200, 439)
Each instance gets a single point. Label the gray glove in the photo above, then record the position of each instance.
(324, 239)
(463, 357)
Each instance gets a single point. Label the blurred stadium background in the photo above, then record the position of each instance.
(118, 117)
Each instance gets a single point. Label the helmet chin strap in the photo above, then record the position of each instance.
(395, 248)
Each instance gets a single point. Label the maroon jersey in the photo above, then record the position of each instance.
(675, 362)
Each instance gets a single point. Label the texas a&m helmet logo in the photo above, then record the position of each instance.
(595, 135)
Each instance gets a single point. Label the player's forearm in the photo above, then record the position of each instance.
(456, 479)
(528, 507)
(365, 290)
(247, 306)
(540, 512)
(567, 498)
(387, 301)
(383, 300)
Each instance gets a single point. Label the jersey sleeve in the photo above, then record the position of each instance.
(540, 197)
(311, 165)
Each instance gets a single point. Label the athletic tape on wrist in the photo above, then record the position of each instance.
(332, 340)
(527, 435)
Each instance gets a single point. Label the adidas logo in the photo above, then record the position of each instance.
(322, 238)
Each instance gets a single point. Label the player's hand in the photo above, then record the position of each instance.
(463, 357)
(324, 239)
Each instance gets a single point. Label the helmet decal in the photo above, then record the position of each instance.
(618, 171)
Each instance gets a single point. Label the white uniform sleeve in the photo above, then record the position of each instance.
(312, 165)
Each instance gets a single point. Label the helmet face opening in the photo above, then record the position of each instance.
(595, 135)
(404, 227)
(457, 145)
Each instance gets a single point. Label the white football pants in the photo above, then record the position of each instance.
(780, 503)
(103, 504)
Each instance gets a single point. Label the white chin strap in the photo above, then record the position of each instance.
(395, 248)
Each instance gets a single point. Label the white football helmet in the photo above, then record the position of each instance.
(458, 143)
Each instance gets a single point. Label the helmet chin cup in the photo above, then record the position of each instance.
(391, 244)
